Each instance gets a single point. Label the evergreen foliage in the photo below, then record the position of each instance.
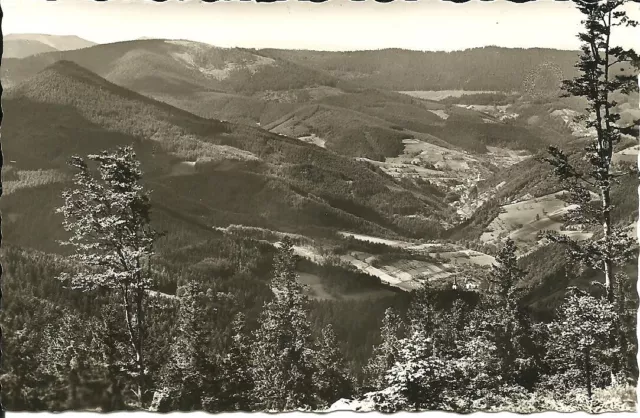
(283, 352)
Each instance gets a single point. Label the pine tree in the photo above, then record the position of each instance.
(236, 376)
(110, 341)
(283, 352)
(422, 313)
(601, 66)
(113, 240)
(332, 378)
(579, 350)
(452, 326)
(190, 375)
(67, 358)
(506, 273)
(627, 305)
(510, 325)
(419, 379)
(477, 364)
(386, 353)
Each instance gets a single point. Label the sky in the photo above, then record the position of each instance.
(296, 24)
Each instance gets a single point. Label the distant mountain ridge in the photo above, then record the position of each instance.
(23, 45)
(180, 66)
(487, 68)
(258, 87)
(479, 69)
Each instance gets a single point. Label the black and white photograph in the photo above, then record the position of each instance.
(328, 206)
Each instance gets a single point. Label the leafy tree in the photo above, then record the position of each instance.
(579, 351)
(332, 378)
(386, 353)
(601, 75)
(108, 218)
(283, 352)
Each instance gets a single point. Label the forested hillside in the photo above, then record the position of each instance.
(225, 173)
(482, 69)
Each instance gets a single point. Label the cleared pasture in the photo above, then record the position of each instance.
(523, 221)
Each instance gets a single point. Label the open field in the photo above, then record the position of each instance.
(407, 273)
(523, 221)
(441, 94)
(628, 155)
(23, 179)
(376, 240)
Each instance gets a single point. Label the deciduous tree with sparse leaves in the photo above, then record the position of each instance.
(108, 217)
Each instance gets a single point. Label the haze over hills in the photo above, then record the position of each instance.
(26, 44)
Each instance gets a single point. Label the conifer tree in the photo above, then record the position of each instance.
(510, 325)
(236, 379)
(579, 351)
(452, 326)
(283, 352)
(386, 353)
(332, 378)
(109, 339)
(419, 379)
(422, 313)
(603, 72)
(67, 358)
(194, 367)
(627, 305)
(109, 221)
(505, 273)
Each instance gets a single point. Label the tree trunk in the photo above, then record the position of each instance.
(74, 380)
(609, 276)
(140, 354)
(135, 339)
(587, 370)
(113, 401)
(610, 283)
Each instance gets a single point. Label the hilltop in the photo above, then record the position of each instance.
(481, 69)
(266, 87)
(21, 45)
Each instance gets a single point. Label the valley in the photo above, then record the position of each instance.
(385, 181)
(225, 140)
(193, 227)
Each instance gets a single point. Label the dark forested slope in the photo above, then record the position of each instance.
(210, 172)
